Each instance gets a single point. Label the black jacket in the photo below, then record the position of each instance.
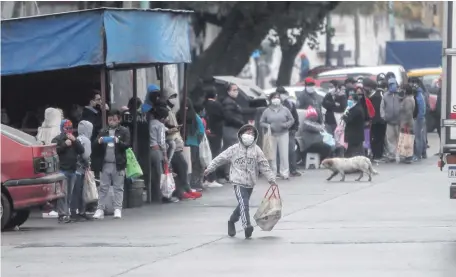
(354, 127)
(376, 100)
(232, 113)
(329, 103)
(214, 114)
(68, 155)
(292, 107)
(99, 150)
(95, 118)
(309, 99)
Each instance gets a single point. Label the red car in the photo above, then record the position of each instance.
(30, 175)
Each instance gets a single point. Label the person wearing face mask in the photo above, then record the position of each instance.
(110, 158)
(68, 149)
(309, 97)
(279, 119)
(246, 160)
(92, 113)
(354, 118)
(333, 102)
(389, 111)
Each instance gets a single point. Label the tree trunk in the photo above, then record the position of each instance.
(287, 63)
(241, 34)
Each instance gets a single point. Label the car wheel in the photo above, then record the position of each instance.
(6, 210)
(18, 218)
(430, 123)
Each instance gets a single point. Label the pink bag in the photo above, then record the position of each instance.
(339, 136)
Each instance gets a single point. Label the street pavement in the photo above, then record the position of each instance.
(400, 224)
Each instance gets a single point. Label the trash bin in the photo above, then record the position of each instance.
(135, 193)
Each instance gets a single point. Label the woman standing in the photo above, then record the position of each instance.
(194, 133)
(354, 118)
(279, 119)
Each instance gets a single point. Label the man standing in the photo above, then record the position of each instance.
(309, 97)
(68, 149)
(111, 159)
(214, 131)
(378, 126)
(419, 125)
(92, 113)
(389, 111)
(288, 102)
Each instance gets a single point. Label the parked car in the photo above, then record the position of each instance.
(30, 175)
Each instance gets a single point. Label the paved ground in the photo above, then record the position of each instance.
(401, 224)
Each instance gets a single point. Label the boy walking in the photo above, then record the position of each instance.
(247, 159)
(111, 159)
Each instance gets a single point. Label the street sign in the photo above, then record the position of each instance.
(452, 172)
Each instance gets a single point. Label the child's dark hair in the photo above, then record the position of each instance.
(114, 113)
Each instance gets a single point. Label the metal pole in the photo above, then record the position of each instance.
(357, 37)
(135, 112)
(103, 95)
(391, 20)
(328, 53)
(185, 99)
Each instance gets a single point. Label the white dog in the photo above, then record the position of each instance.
(349, 165)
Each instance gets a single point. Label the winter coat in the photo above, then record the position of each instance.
(290, 104)
(376, 100)
(354, 124)
(245, 162)
(232, 113)
(93, 116)
(85, 129)
(50, 127)
(310, 133)
(68, 155)
(406, 113)
(329, 103)
(390, 107)
(99, 150)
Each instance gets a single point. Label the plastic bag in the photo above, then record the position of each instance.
(133, 169)
(270, 210)
(339, 136)
(205, 154)
(366, 143)
(328, 139)
(89, 191)
(167, 185)
(188, 158)
(405, 144)
(267, 145)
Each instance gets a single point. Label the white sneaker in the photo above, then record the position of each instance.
(99, 214)
(213, 184)
(117, 213)
(51, 214)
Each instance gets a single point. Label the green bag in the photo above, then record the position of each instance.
(133, 168)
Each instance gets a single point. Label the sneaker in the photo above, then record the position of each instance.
(248, 232)
(187, 195)
(231, 229)
(51, 214)
(64, 219)
(212, 184)
(117, 213)
(99, 214)
(197, 190)
(295, 174)
(196, 194)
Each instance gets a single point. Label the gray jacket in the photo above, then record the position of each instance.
(245, 162)
(85, 129)
(278, 118)
(406, 113)
(390, 108)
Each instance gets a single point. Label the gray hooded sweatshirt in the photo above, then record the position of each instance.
(390, 108)
(85, 129)
(246, 162)
(279, 118)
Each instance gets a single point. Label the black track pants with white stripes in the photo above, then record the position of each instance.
(242, 210)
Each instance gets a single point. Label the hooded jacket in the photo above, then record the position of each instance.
(406, 113)
(245, 162)
(420, 104)
(50, 127)
(99, 150)
(68, 155)
(279, 118)
(85, 129)
(390, 107)
(232, 113)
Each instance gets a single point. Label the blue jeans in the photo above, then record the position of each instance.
(63, 204)
(420, 137)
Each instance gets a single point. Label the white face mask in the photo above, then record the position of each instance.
(332, 90)
(275, 101)
(247, 139)
(310, 89)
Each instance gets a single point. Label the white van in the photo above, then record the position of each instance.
(398, 70)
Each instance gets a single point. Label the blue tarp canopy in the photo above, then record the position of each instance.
(413, 54)
(105, 36)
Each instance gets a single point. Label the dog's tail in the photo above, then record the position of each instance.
(372, 170)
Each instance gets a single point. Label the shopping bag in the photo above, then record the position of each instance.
(405, 144)
(167, 185)
(270, 210)
(205, 154)
(267, 145)
(328, 139)
(89, 190)
(133, 169)
(339, 136)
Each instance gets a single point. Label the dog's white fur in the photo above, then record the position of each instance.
(349, 165)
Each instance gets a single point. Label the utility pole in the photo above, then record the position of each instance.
(357, 37)
(391, 20)
(328, 53)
